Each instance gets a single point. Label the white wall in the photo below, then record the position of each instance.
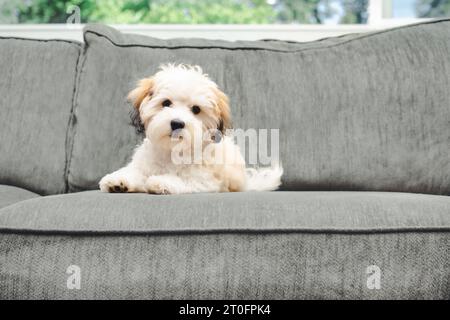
(225, 32)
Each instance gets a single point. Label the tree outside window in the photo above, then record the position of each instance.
(213, 11)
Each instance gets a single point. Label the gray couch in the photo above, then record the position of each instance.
(364, 210)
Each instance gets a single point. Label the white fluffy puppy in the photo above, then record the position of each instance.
(183, 112)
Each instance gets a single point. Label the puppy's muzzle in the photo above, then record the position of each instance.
(177, 124)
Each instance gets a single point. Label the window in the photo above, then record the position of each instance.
(186, 11)
(417, 8)
(388, 12)
(219, 11)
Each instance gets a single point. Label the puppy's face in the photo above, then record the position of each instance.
(180, 103)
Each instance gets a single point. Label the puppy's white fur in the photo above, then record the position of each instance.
(153, 169)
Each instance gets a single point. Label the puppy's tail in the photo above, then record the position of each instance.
(264, 179)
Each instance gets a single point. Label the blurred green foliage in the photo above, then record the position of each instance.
(355, 11)
(199, 11)
(142, 11)
(433, 8)
(168, 11)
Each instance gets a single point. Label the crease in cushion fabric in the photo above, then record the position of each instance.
(10, 195)
(71, 128)
(355, 112)
(97, 212)
(36, 86)
(226, 266)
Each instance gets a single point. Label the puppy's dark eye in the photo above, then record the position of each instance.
(196, 109)
(167, 103)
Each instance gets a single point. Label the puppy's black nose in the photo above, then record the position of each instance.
(176, 124)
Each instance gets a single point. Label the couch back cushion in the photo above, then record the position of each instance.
(357, 112)
(37, 85)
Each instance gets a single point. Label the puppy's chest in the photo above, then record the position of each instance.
(182, 171)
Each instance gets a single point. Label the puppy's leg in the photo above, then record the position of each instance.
(172, 184)
(166, 184)
(126, 179)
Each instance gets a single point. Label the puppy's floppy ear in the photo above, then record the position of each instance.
(224, 111)
(136, 96)
(144, 88)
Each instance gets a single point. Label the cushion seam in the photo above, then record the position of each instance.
(6, 230)
(362, 36)
(79, 44)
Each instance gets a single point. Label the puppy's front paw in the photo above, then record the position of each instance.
(157, 185)
(115, 182)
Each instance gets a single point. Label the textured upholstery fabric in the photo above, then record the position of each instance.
(414, 265)
(37, 86)
(358, 112)
(10, 195)
(95, 211)
(316, 245)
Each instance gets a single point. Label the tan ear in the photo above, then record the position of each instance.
(136, 96)
(144, 89)
(224, 110)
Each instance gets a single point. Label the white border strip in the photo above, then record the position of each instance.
(224, 32)
(295, 32)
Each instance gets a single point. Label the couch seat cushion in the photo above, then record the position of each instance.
(10, 195)
(94, 211)
(280, 245)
